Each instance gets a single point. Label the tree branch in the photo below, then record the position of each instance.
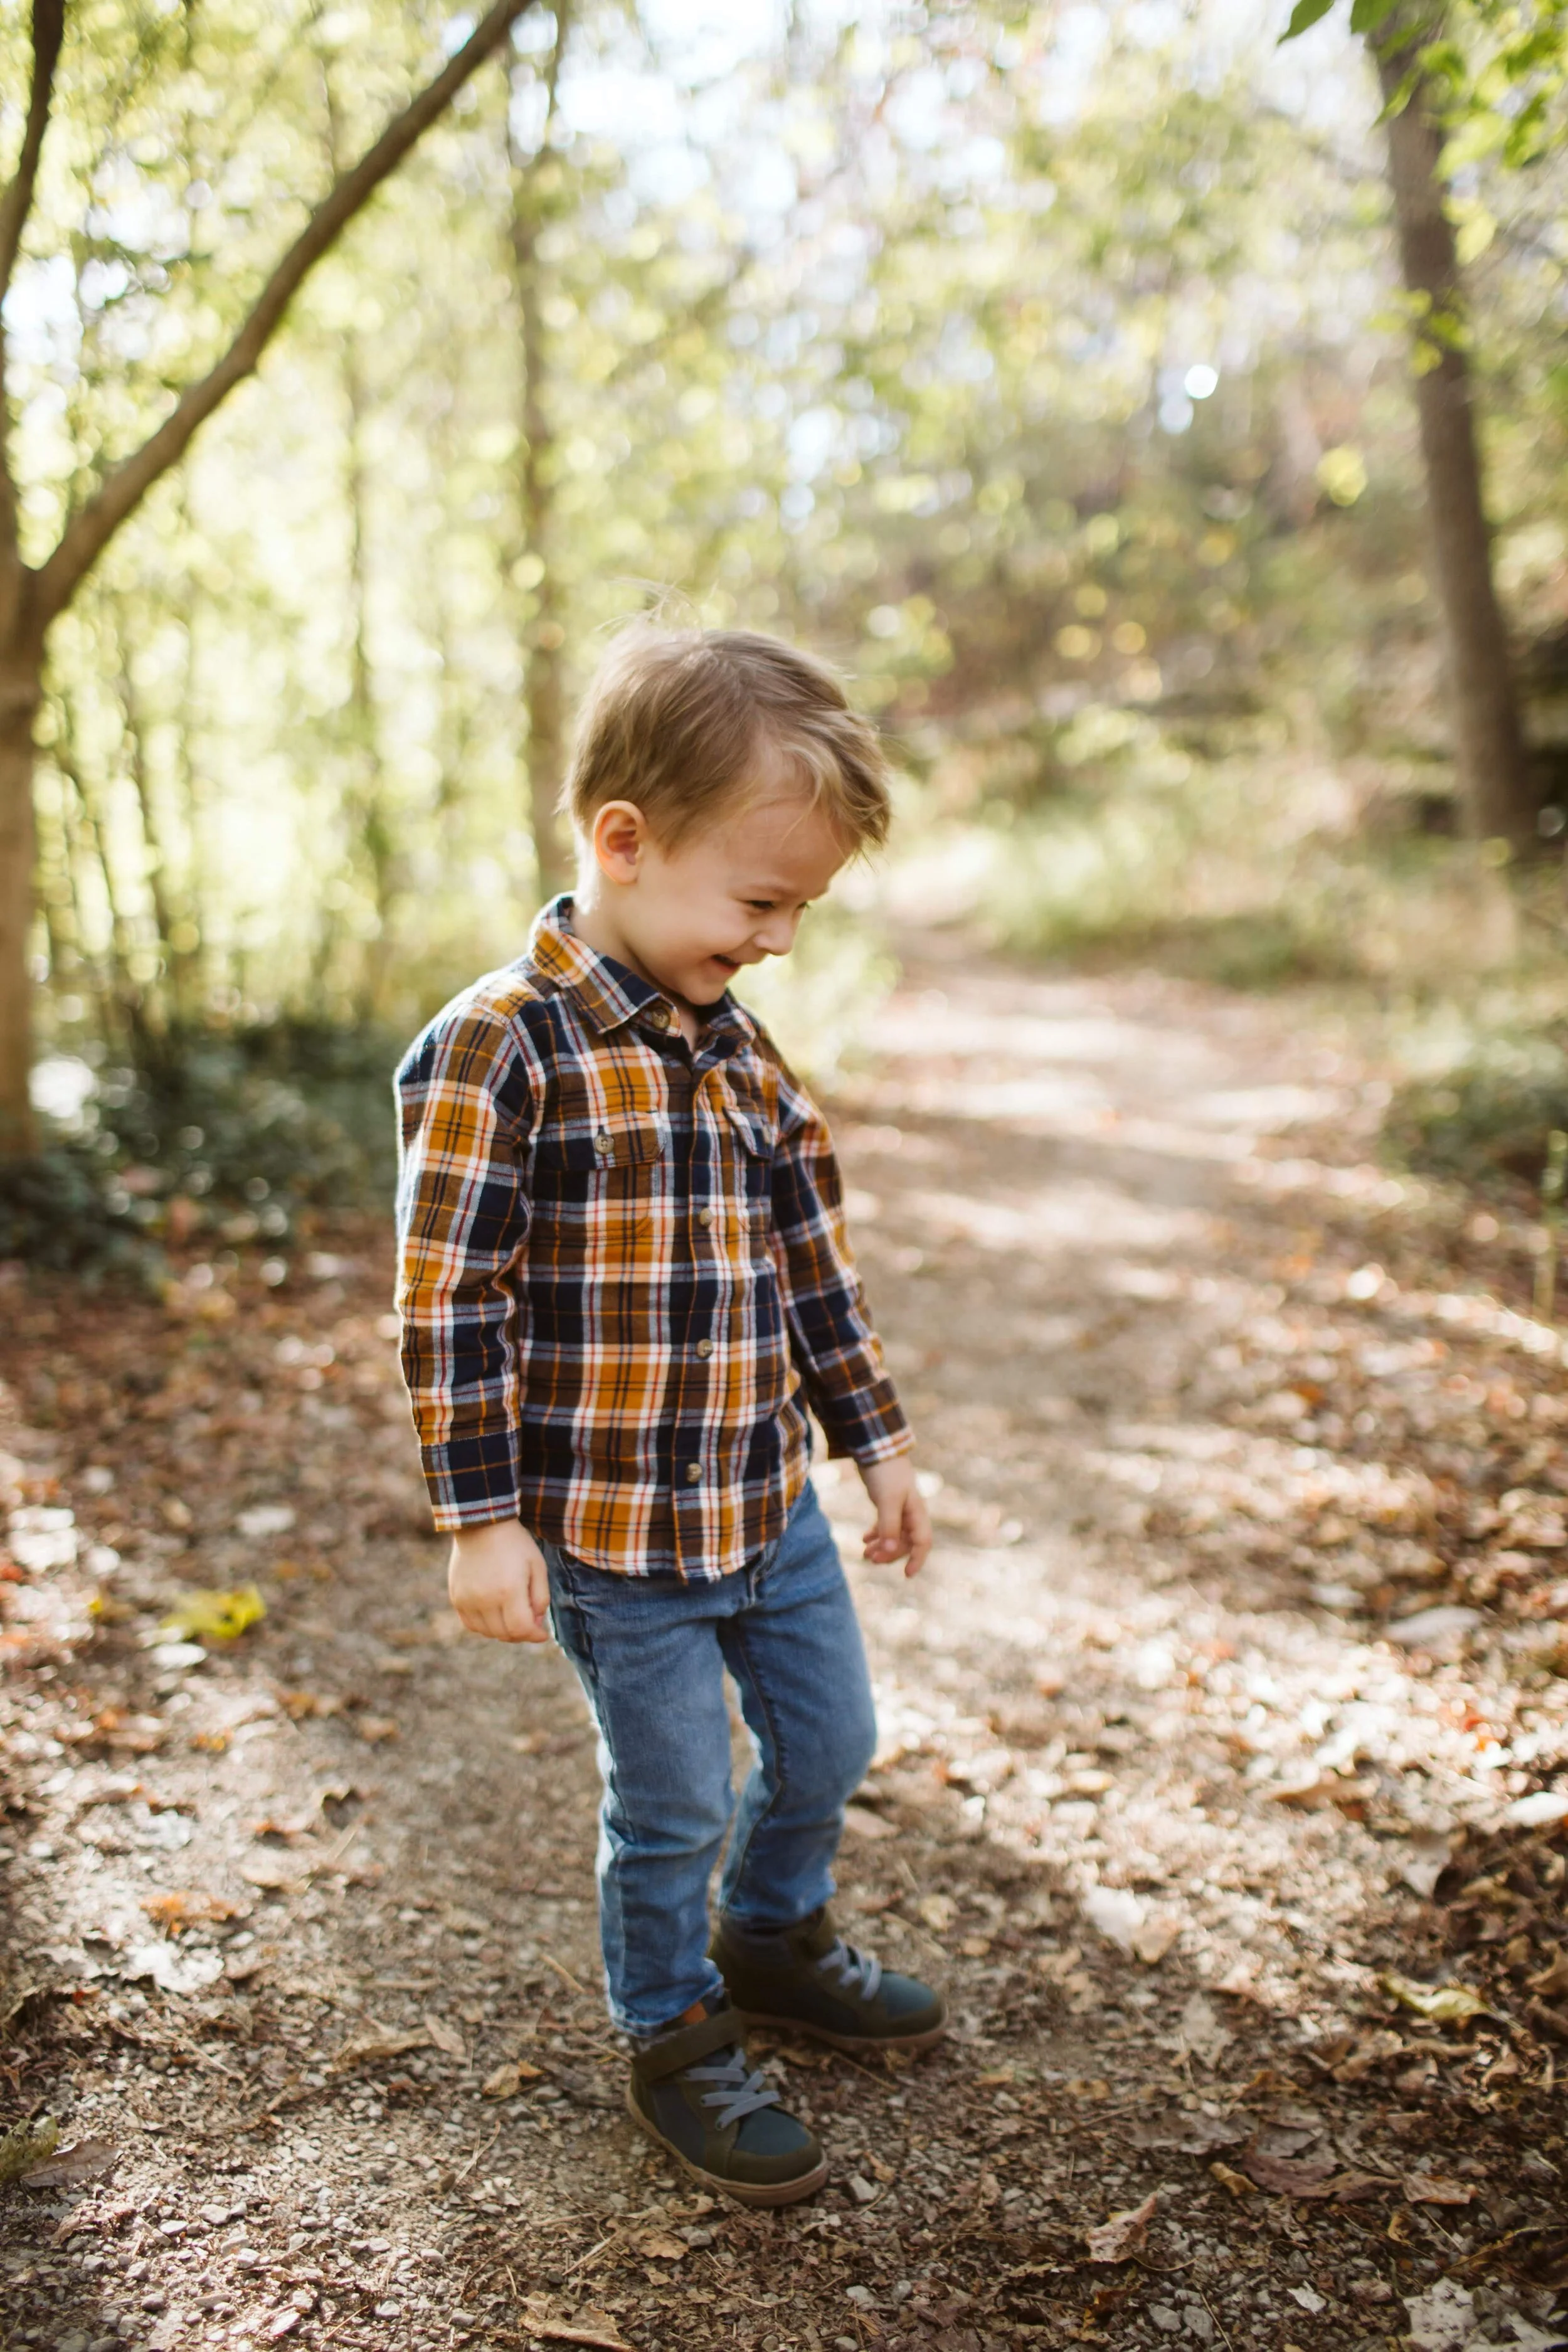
(49, 32)
(123, 489)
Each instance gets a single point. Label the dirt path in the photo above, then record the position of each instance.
(1212, 1407)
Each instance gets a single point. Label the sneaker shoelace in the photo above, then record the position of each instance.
(737, 2092)
(857, 1972)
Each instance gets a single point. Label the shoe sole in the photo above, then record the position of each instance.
(856, 2043)
(744, 2192)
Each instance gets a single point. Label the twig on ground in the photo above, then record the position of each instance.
(562, 1970)
(483, 2150)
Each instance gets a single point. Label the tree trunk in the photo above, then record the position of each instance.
(120, 994)
(372, 843)
(544, 692)
(1496, 793)
(21, 687)
(154, 858)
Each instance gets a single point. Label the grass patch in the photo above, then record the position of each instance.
(1485, 1121)
(232, 1132)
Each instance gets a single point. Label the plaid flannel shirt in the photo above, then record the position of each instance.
(624, 1270)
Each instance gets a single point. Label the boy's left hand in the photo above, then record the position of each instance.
(903, 1522)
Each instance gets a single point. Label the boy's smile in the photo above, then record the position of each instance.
(689, 919)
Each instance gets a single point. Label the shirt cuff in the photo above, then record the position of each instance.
(472, 1481)
(868, 1426)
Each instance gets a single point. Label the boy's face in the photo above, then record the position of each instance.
(689, 919)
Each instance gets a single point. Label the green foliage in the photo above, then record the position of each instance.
(1486, 1120)
(61, 1213)
(231, 1132)
(1203, 880)
(263, 1119)
(1498, 71)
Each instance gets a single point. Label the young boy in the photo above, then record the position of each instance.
(624, 1279)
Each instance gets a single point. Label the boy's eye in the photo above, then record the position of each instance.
(761, 906)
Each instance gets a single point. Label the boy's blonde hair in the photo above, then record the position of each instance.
(674, 718)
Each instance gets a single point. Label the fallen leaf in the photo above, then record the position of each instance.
(1436, 2188)
(1114, 1913)
(1538, 1812)
(280, 2324)
(1351, 2188)
(89, 2159)
(1155, 1937)
(214, 1616)
(265, 1519)
(463, 1923)
(289, 1827)
(1202, 2031)
(181, 1908)
(862, 1822)
(1419, 1862)
(1553, 1979)
(171, 1969)
(1058, 1966)
(376, 1727)
(26, 2145)
(1236, 2182)
(590, 2326)
(1192, 2134)
(283, 1872)
(1371, 2050)
(1431, 1628)
(1443, 2319)
(1308, 2297)
(505, 2080)
(937, 1911)
(445, 2037)
(1288, 2175)
(1449, 2004)
(300, 1704)
(366, 2049)
(131, 1735)
(1315, 1789)
(660, 2247)
(82, 2217)
(1116, 2238)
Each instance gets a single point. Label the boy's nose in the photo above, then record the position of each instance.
(776, 936)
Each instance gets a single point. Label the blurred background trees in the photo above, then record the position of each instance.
(1052, 368)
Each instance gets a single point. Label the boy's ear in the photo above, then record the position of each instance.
(618, 838)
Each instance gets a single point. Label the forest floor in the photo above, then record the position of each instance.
(1223, 1777)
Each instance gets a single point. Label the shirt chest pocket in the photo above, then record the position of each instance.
(594, 1189)
(751, 1140)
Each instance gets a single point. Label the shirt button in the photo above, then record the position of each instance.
(705, 1346)
(659, 1015)
(705, 1218)
(693, 1473)
(603, 1144)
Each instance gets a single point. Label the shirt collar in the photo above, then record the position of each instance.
(608, 992)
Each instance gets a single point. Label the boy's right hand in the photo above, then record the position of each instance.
(497, 1582)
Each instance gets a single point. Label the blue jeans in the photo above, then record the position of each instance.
(650, 1653)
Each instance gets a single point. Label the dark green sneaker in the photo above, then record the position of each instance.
(808, 1978)
(693, 2093)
